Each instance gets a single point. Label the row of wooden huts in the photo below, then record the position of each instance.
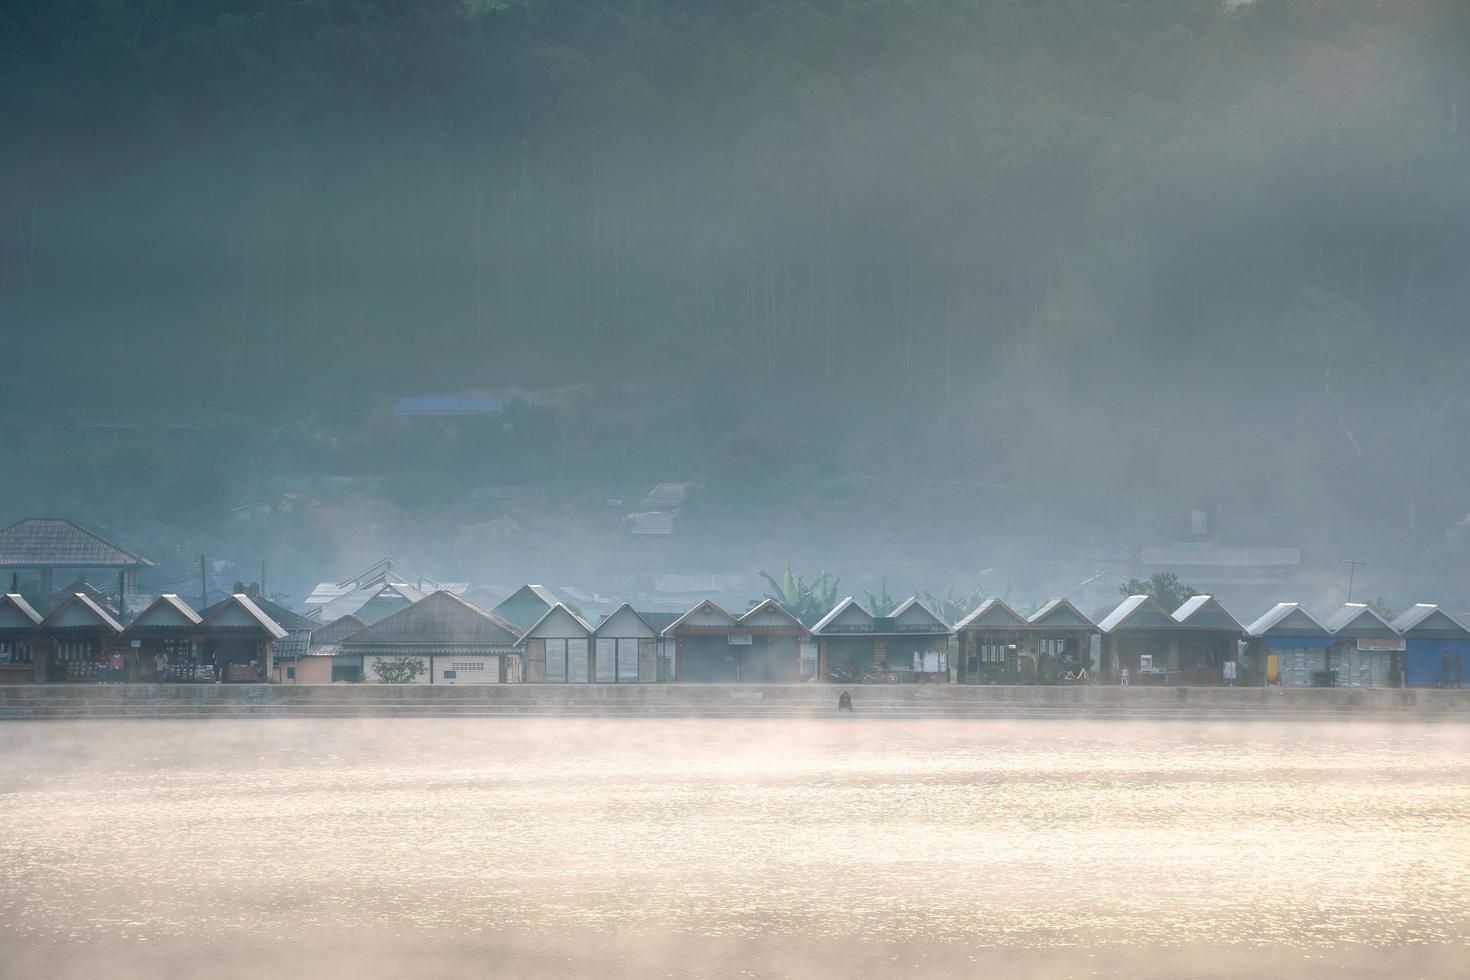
(533, 637)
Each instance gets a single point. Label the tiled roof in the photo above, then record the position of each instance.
(41, 541)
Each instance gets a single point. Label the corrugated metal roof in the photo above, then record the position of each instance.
(441, 620)
(1057, 606)
(288, 619)
(169, 603)
(38, 542)
(652, 522)
(557, 609)
(838, 610)
(625, 607)
(766, 606)
(667, 496)
(703, 604)
(96, 613)
(338, 628)
(1416, 615)
(1276, 614)
(1126, 610)
(252, 612)
(994, 606)
(19, 603)
(1194, 610)
(1349, 615)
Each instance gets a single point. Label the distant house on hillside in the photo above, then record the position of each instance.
(451, 406)
(330, 601)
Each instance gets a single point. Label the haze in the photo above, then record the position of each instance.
(964, 294)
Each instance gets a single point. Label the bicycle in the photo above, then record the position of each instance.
(1079, 676)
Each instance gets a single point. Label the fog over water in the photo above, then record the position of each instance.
(553, 849)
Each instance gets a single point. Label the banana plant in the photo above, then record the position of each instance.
(807, 603)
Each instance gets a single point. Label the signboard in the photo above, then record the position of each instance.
(740, 639)
(1390, 646)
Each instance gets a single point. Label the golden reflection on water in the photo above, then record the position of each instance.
(947, 836)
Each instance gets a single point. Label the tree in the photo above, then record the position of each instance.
(399, 670)
(1163, 586)
(807, 603)
(1381, 607)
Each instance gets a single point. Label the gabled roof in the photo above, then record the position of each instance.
(768, 608)
(1138, 612)
(1287, 619)
(848, 609)
(1060, 613)
(167, 612)
(557, 613)
(38, 542)
(16, 613)
(438, 620)
(1356, 619)
(622, 613)
(288, 620)
(80, 612)
(993, 613)
(381, 572)
(704, 613)
(1205, 612)
(239, 611)
(1427, 619)
(521, 606)
(912, 616)
(337, 630)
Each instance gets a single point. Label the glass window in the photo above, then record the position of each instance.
(607, 661)
(627, 661)
(577, 661)
(994, 653)
(556, 661)
(808, 661)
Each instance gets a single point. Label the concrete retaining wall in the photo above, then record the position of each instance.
(734, 701)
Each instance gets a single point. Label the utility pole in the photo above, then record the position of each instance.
(203, 585)
(1352, 564)
(262, 578)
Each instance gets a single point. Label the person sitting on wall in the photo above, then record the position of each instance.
(844, 701)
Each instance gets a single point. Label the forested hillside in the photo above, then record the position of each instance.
(1080, 265)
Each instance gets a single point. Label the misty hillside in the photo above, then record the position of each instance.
(908, 288)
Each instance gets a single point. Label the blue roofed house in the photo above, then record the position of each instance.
(1433, 640)
(1287, 646)
(1367, 650)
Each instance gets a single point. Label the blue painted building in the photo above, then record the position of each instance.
(1437, 645)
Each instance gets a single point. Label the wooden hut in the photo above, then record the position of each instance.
(75, 641)
(558, 648)
(625, 649)
(18, 623)
(762, 646)
(910, 643)
(999, 646)
(1209, 638)
(167, 638)
(239, 639)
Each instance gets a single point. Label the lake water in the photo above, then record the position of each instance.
(842, 848)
